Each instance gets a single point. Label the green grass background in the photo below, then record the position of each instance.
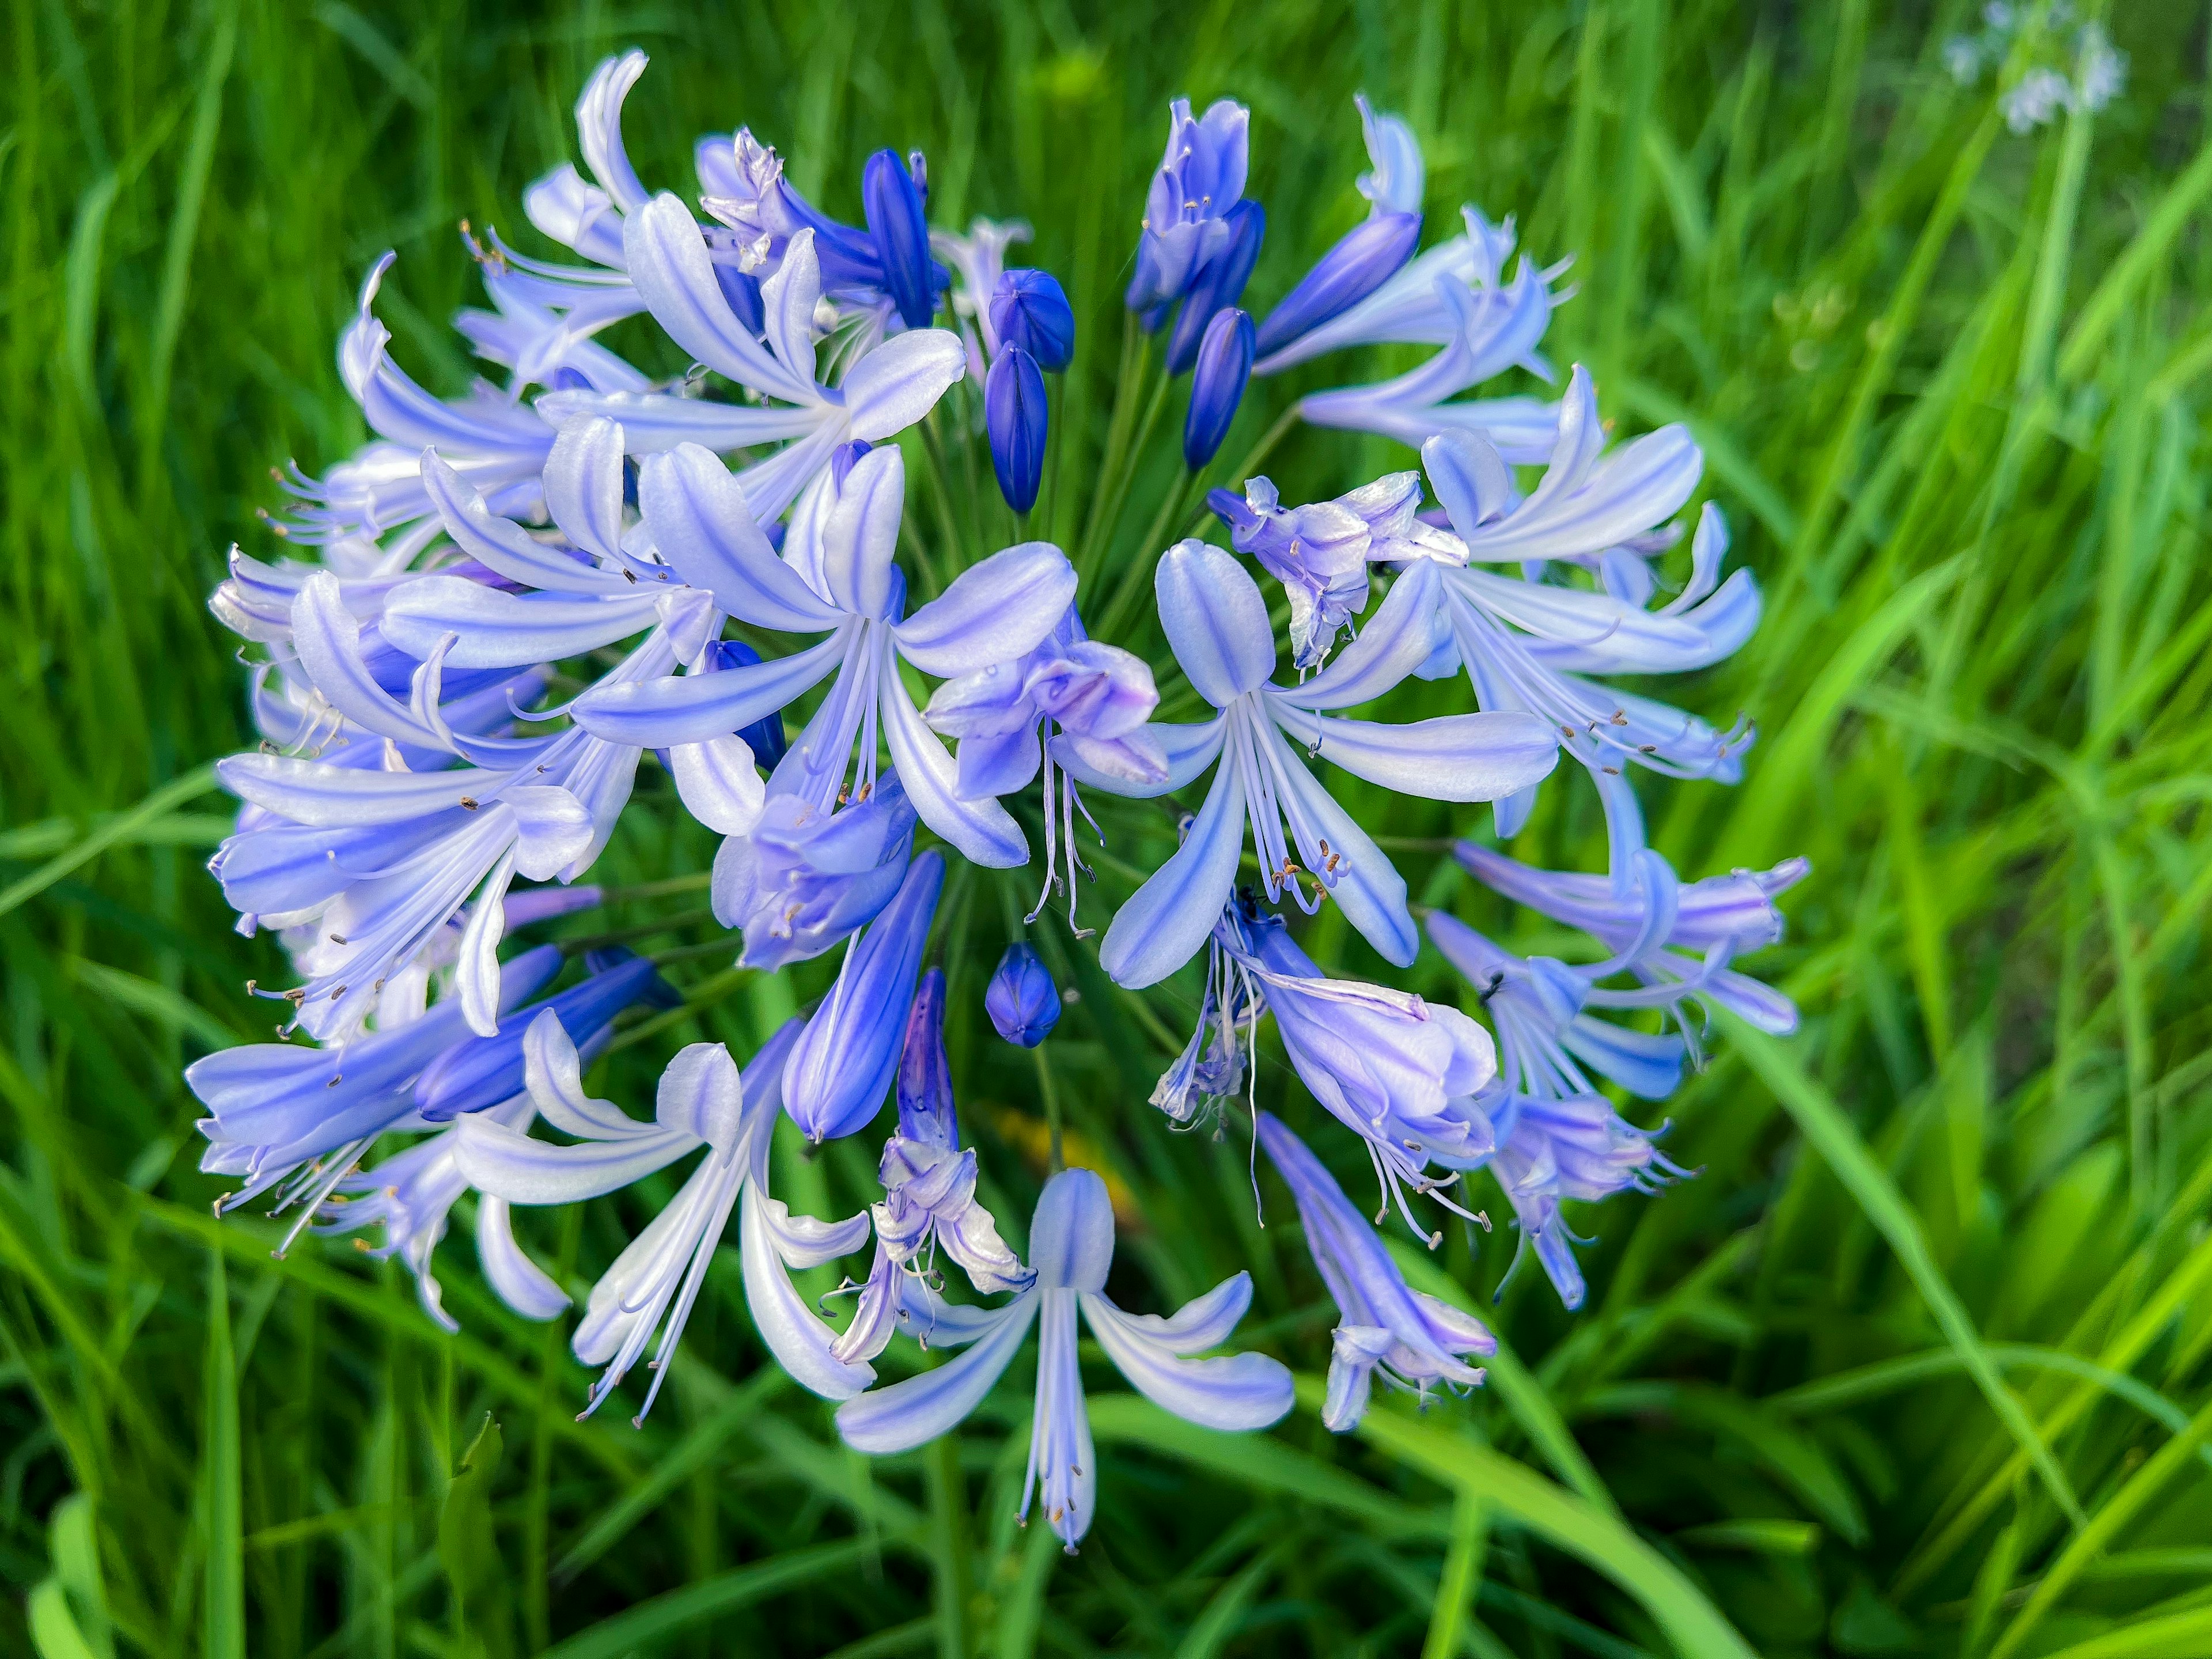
(1921, 1363)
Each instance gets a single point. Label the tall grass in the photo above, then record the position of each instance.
(1919, 1362)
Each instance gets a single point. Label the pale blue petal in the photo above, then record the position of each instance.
(655, 420)
(982, 830)
(667, 259)
(1165, 920)
(1240, 1391)
(701, 525)
(692, 707)
(1456, 758)
(995, 610)
(1189, 750)
(1216, 621)
(915, 1411)
(900, 381)
(502, 545)
(513, 1277)
(499, 629)
(509, 1165)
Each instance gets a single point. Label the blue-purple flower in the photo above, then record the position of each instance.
(1071, 1247)
(1414, 1341)
(1200, 180)
(836, 575)
(929, 1191)
(703, 1104)
(802, 879)
(1217, 624)
(1096, 697)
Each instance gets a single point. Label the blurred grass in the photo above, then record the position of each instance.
(1952, 386)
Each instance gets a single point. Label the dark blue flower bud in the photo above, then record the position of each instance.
(900, 234)
(1220, 283)
(743, 292)
(925, 1077)
(1217, 385)
(1014, 416)
(1021, 1001)
(1029, 309)
(1364, 258)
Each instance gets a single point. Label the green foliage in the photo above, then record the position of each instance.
(1920, 1363)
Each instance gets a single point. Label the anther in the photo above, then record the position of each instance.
(470, 802)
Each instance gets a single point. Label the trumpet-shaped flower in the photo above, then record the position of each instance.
(882, 393)
(1321, 552)
(1413, 1339)
(836, 575)
(803, 880)
(1558, 1138)
(1528, 644)
(1216, 624)
(929, 1189)
(704, 1102)
(1405, 1075)
(1070, 1249)
(1097, 697)
(1201, 178)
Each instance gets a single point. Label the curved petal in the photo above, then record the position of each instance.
(718, 784)
(476, 963)
(502, 545)
(667, 259)
(1456, 757)
(583, 483)
(1188, 751)
(509, 1165)
(499, 629)
(327, 796)
(860, 532)
(911, 1413)
(1203, 1322)
(1398, 639)
(693, 708)
(1166, 920)
(900, 381)
(997, 609)
(1239, 1391)
(514, 1277)
(1216, 621)
(799, 1337)
(982, 830)
(701, 525)
(553, 1073)
(656, 420)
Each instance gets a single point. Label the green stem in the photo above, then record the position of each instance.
(1051, 1109)
(1126, 385)
(948, 1516)
(1463, 1574)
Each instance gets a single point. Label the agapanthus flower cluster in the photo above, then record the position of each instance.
(2067, 66)
(509, 605)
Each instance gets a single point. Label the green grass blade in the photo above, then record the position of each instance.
(1831, 1134)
